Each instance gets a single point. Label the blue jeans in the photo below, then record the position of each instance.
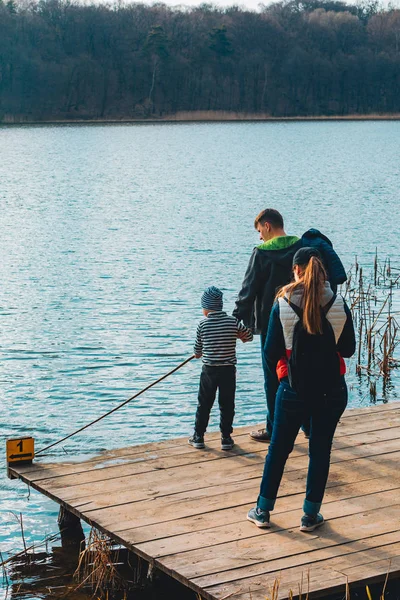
(290, 411)
(271, 384)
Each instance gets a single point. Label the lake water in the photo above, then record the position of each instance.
(109, 235)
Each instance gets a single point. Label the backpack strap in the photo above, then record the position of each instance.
(295, 308)
(299, 311)
(327, 307)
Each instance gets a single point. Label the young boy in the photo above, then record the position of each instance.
(216, 343)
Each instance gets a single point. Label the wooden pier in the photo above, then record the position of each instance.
(184, 510)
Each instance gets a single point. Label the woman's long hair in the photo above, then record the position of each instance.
(312, 277)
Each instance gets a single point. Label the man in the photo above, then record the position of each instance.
(270, 268)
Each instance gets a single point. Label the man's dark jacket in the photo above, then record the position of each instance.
(269, 270)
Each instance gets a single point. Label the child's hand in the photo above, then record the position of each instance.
(197, 355)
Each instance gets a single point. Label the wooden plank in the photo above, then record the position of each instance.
(168, 446)
(356, 552)
(179, 445)
(124, 515)
(178, 455)
(150, 452)
(240, 553)
(320, 578)
(351, 566)
(197, 515)
(243, 529)
(380, 420)
(139, 466)
(370, 570)
(145, 452)
(190, 456)
(356, 498)
(373, 408)
(185, 509)
(176, 479)
(359, 566)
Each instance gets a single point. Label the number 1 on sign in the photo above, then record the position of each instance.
(20, 450)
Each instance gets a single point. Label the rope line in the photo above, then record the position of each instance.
(117, 407)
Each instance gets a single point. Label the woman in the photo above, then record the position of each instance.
(310, 332)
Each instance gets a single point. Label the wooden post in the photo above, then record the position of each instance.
(70, 525)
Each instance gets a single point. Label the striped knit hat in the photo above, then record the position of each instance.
(212, 299)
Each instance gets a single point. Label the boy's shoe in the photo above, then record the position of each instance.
(227, 443)
(261, 435)
(311, 522)
(259, 517)
(197, 441)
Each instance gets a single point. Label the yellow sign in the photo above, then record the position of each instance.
(20, 450)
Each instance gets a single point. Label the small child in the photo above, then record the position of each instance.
(216, 343)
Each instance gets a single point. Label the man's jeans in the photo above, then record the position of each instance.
(290, 411)
(212, 379)
(271, 384)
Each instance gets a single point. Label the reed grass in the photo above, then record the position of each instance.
(96, 566)
(274, 590)
(374, 299)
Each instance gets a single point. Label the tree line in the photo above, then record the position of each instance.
(60, 59)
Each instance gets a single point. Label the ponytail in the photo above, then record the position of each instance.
(311, 281)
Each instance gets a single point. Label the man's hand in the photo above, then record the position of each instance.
(197, 355)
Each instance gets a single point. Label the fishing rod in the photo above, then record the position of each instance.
(117, 407)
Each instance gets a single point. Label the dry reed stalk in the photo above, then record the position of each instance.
(274, 590)
(386, 580)
(19, 519)
(50, 538)
(22, 531)
(301, 587)
(96, 565)
(347, 595)
(5, 576)
(369, 344)
(371, 297)
(384, 363)
(358, 367)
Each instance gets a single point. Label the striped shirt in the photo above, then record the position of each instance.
(216, 338)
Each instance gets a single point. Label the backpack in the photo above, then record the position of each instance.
(313, 366)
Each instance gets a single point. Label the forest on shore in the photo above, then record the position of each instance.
(63, 60)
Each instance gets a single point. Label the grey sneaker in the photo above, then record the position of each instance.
(311, 522)
(227, 443)
(197, 441)
(261, 435)
(259, 517)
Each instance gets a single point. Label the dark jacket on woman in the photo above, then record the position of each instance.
(283, 320)
(270, 268)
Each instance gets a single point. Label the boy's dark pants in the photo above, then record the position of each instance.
(212, 379)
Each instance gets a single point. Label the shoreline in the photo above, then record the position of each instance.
(200, 117)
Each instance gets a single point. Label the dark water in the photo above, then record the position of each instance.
(109, 235)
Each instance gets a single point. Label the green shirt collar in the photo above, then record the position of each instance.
(279, 243)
